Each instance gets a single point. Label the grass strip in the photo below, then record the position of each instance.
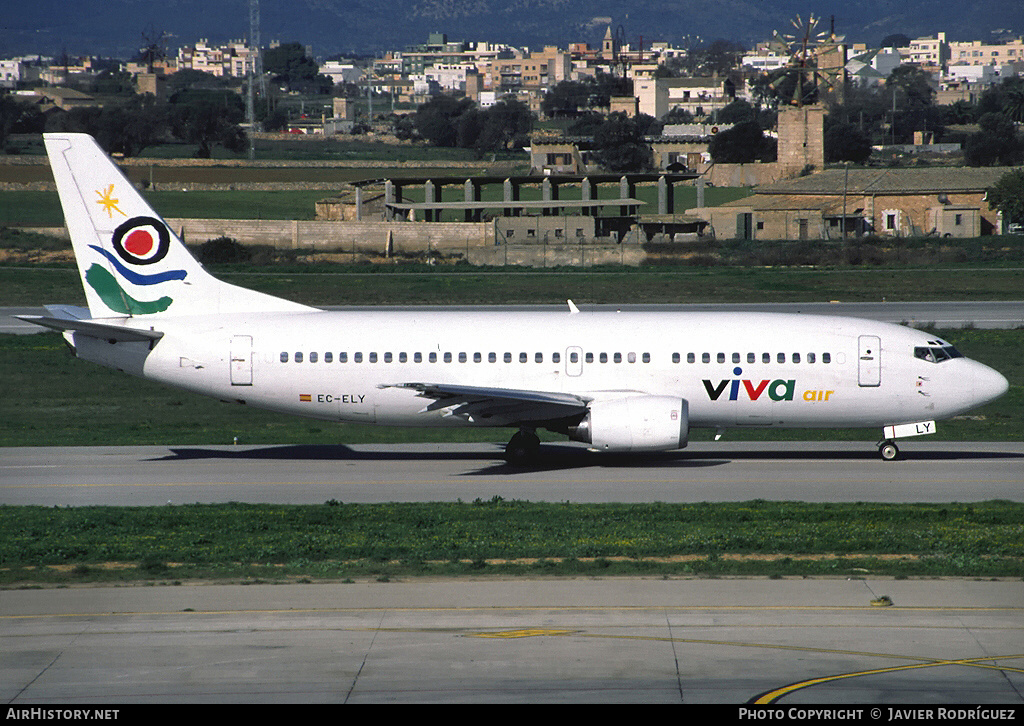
(337, 540)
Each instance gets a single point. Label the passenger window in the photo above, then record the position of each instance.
(590, 358)
(826, 357)
(492, 357)
(766, 357)
(735, 357)
(675, 357)
(631, 357)
(603, 358)
(617, 357)
(556, 357)
(284, 356)
(432, 357)
(796, 357)
(705, 358)
(313, 357)
(462, 357)
(751, 358)
(373, 357)
(417, 357)
(403, 358)
(477, 358)
(328, 357)
(508, 357)
(647, 357)
(343, 357)
(447, 357)
(782, 358)
(538, 357)
(523, 357)
(811, 358)
(387, 357)
(574, 357)
(691, 357)
(298, 357)
(721, 357)
(357, 357)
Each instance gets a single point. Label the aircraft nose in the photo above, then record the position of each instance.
(989, 384)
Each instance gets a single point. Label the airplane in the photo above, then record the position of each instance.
(618, 381)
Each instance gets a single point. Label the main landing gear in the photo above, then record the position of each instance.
(888, 450)
(523, 448)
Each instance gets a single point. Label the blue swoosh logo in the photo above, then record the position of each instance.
(137, 278)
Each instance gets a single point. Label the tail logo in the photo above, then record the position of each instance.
(138, 241)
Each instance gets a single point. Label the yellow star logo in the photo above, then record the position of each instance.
(109, 203)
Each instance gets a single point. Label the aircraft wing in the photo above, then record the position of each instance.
(497, 406)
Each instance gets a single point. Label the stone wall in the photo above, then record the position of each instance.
(448, 239)
(473, 242)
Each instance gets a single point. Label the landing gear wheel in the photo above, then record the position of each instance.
(523, 448)
(888, 450)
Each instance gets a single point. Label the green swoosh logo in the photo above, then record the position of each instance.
(115, 298)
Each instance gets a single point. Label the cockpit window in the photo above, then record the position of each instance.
(937, 354)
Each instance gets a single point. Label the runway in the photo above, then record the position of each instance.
(613, 640)
(528, 640)
(938, 471)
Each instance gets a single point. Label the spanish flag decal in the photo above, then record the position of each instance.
(307, 397)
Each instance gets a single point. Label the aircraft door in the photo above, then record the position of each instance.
(573, 361)
(869, 360)
(241, 360)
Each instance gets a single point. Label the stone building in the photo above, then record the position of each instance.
(938, 201)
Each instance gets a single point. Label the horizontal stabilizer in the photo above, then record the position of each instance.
(103, 331)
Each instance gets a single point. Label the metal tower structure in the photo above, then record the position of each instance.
(254, 72)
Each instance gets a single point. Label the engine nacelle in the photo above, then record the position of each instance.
(635, 423)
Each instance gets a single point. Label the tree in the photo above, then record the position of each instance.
(18, 118)
(206, 123)
(620, 146)
(1008, 196)
(437, 120)
(846, 142)
(737, 112)
(1006, 97)
(743, 143)
(288, 64)
(912, 86)
(996, 143)
(504, 125)
(568, 98)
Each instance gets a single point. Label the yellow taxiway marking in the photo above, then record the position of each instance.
(774, 695)
(522, 633)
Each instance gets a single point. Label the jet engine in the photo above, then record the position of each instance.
(635, 423)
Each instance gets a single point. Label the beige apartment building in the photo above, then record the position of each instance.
(976, 53)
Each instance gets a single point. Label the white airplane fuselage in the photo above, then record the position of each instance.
(733, 369)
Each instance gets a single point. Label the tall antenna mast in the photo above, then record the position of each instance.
(254, 72)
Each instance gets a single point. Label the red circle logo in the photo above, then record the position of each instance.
(142, 240)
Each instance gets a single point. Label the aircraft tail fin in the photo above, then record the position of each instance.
(131, 262)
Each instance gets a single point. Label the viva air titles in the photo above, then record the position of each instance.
(777, 390)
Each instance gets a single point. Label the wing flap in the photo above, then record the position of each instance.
(497, 406)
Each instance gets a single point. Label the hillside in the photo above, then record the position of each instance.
(116, 27)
